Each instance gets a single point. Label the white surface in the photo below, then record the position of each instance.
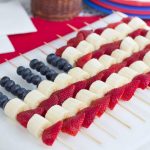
(14, 137)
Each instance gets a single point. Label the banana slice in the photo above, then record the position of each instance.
(146, 59)
(111, 35)
(93, 66)
(63, 80)
(129, 45)
(115, 80)
(85, 47)
(73, 106)
(78, 74)
(100, 88)
(14, 107)
(142, 41)
(107, 61)
(56, 113)
(47, 88)
(37, 124)
(124, 29)
(86, 96)
(137, 23)
(148, 35)
(96, 40)
(71, 54)
(34, 98)
(128, 73)
(140, 67)
(120, 55)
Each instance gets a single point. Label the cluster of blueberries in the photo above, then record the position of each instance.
(59, 62)
(3, 100)
(14, 88)
(28, 75)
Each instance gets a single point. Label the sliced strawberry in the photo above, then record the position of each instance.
(84, 33)
(50, 134)
(130, 89)
(65, 93)
(100, 30)
(136, 33)
(126, 20)
(81, 61)
(47, 104)
(113, 25)
(60, 50)
(98, 53)
(25, 116)
(143, 52)
(103, 103)
(73, 124)
(107, 73)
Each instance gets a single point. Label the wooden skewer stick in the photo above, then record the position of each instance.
(142, 100)
(73, 28)
(25, 57)
(10, 62)
(49, 45)
(62, 37)
(42, 51)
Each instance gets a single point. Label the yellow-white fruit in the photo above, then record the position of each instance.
(129, 45)
(86, 96)
(128, 73)
(115, 80)
(100, 88)
(14, 107)
(146, 59)
(96, 40)
(34, 98)
(56, 113)
(107, 61)
(37, 124)
(78, 74)
(85, 47)
(63, 80)
(140, 67)
(93, 66)
(47, 88)
(73, 106)
(71, 54)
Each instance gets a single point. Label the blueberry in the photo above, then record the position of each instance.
(39, 65)
(14, 89)
(3, 101)
(1, 94)
(20, 92)
(44, 70)
(50, 73)
(9, 84)
(67, 67)
(28, 78)
(20, 70)
(33, 63)
(55, 61)
(61, 63)
(50, 57)
(36, 80)
(4, 80)
(53, 76)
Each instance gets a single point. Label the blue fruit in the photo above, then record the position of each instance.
(55, 61)
(3, 101)
(14, 89)
(36, 80)
(44, 70)
(51, 57)
(67, 67)
(9, 84)
(33, 63)
(61, 63)
(4, 80)
(20, 70)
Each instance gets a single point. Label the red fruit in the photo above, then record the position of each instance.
(73, 124)
(25, 116)
(65, 93)
(98, 53)
(113, 25)
(81, 61)
(136, 33)
(84, 33)
(126, 20)
(90, 113)
(103, 103)
(50, 134)
(130, 89)
(133, 58)
(107, 73)
(60, 50)
(100, 30)
(47, 104)
(143, 52)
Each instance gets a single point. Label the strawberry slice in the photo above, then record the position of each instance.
(144, 51)
(84, 33)
(103, 103)
(50, 134)
(25, 116)
(73, 124)
(113, 25)
(107, 73)
(65, 93)
(98, 53)
(100, 30)
(136, 33)
(126, 20)
(133, 58)
(81, 61)
(47, 104)
(130, 89)
(60, 50)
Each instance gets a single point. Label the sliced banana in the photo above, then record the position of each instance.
(96, 40)
(37, 124)
(142, 41)
(63, 80)
(115, 80)
(128, 73)
(14, 107)
(93, 66)
(146, 58)
(124, 29)
(140, 67)
(100, 88)
(78, 74)
(47, 88)
(86, 96)
(120, 55)
(56, 113)
(111, 35)
(107, 61)
(129, 45)
(73, 106)
(85, 47)
(137, 23)
(71, 54)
